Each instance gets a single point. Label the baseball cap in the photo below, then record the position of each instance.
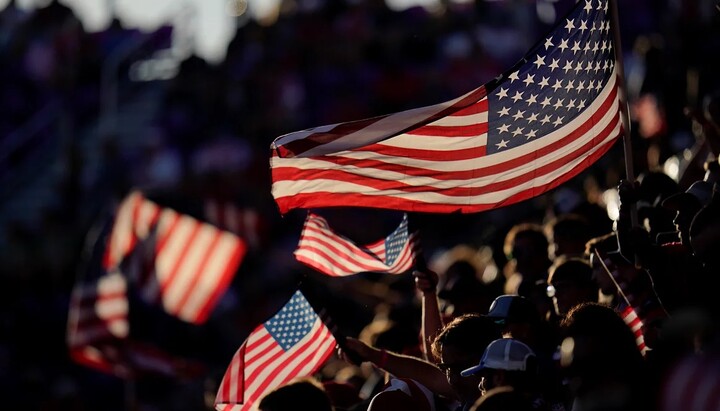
(504, 354)
(512, 309)
(695, 197)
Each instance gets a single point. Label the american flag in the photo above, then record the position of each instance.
(98, 333)
(631, 318)
(293, 343)
(178, 262)
(335, 255)
(534, 127)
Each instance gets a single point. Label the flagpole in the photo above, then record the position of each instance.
(625, 111)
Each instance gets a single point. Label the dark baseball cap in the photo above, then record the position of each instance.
(507, 309)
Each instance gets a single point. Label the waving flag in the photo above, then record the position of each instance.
(534, 127)
(179, 262)
(332, 254)
(293, 343)
(629, 315)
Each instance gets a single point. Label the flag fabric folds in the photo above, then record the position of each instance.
(631, 318)
(335, 255)
(534, 127)
(293, 343)
(179, 262)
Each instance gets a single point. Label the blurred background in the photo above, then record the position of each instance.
(181, 99)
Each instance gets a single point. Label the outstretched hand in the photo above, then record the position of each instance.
(354, 351)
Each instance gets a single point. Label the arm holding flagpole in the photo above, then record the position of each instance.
(426, 283)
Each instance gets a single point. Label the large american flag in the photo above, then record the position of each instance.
(534, 127)
(179, 262)
(293, 343)
(336, 255)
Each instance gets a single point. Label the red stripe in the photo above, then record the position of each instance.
(318, 200)
(470, 130)
(477, 108)
(335, 243)
(223, 281)
(297, 147)
(420, 154)
(191, 286)
(189, 240)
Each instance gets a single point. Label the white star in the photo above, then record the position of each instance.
(578, 67)
(576, 47)
(598, 86)
(588, 6)
(557, 85)
(504, 111)
(570, 85)
(583, 26)
(604, 45)
(589, 66)
(504, 128)
(581, 105)
(558, 103)
(553, 65)
(587, 47)
(543, 82)
(539, 61)
(513, 77)
(593, 28)
(502, 144)
(518, 131)
(545, 119)
(595, 47)
(581, 86)
(533, 117)
(518, 115)
(546, 102)
(532, 99)
(558, 121)
(548, 43)
(570, 25)
(531, 134)
(605, 8)
(568, 66)
(529, 80)
(517, 97)
(597, 66)
(571, 104)
(502, 93)
(563, 44)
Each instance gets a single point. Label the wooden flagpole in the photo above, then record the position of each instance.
(625, 110)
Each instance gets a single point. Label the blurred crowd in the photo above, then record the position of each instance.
(539, 288)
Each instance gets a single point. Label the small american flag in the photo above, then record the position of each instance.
(177, 261)
(335, 255)
(534, 127)
(629, 315)
(293, 343)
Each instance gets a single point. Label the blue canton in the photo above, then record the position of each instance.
(293, 322)
(395, 242)
(555, 82)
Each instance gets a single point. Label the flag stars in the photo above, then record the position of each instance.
(570, 25)
(532, 117)
(505, 111)
(546, 102)
(570, 85)
(580, 86)
(517, 131)
(595, 47)
(502, 93)
(545, 119)
(513, 77)
(558, 103)
(576, 47)
(517, 97)
(531, 134)
(558, 120)
(581, 105)
(519, 115)
(532, 99)
(578, 67)
(554, 64)
(501, 144)
(539, 61)
(543, 82)
(588, 6)
(571, 104)
(529, 80)
(583, 26)
(563, 44)
(604, 46)
(589, 66)
(548, 43)
(568, 66)
(505, 128)
(557, 85)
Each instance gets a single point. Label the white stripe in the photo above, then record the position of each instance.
(188, 270)
(431, 143)
(209, 279)
(459, 121)
(174, 246)
(147, 210)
